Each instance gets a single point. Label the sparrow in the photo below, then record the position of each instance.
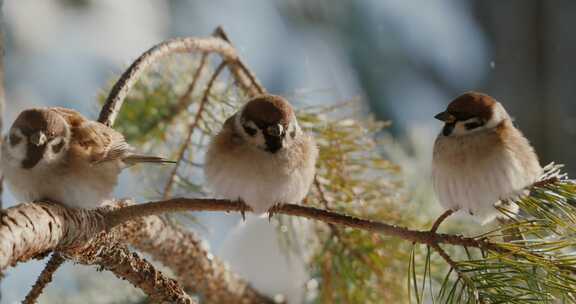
(480, 158)
(56, 154)
(261, 156)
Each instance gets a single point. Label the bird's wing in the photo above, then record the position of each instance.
(97, 143)
(94, 141)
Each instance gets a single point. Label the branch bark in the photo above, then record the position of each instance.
(178, 45)
(44, 279)
(190, 132)
(196, 269)
(119, 216)
(129, 266)
(31, 229)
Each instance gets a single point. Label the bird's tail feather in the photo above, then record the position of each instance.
(135, 159)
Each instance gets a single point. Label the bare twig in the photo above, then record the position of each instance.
(448, 260)
(186, 98)
(45, 277)
(191, 128)
(441, 219)
(244, 77)
(178, 45)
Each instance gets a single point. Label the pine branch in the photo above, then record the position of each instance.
(244, 77)
(190, 132)
(197, 269)
(129, 266)
(34, 228)
(44, 279)
(178, 45)
(122, 215)
(54, 226)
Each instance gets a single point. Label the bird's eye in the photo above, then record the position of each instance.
(249, 130)
(58, 147)
(15, 139)
(472, 125)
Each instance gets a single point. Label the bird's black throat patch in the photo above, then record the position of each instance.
(448, 128)
(273, 143)
(33, 155)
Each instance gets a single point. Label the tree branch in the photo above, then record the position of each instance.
(122, 215)
(191, 128)
(130, 266)
(131, 75)
(45, 277)
(244, 77)
(196, 269)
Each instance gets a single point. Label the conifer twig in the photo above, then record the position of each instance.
(243, 75)
(121, 88)
(45, 278)
(190, 132)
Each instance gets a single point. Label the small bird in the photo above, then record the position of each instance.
(480, 158)
(261, 156)
(58, 155)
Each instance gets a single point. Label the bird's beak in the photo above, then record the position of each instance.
(38, 138)
(445, 117)
(275, 130)
(274, 138)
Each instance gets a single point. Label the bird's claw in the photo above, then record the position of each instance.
(243, 208)
(272, 211)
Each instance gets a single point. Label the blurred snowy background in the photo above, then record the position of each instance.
(405, 59)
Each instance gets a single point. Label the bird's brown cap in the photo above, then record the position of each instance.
(265, 110)
(37, 119)
(468, 105)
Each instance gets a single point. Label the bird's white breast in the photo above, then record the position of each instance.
(79, 187)
(471, 173)
(259, 178)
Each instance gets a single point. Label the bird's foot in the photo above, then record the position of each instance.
(272, 211)
(243, 208)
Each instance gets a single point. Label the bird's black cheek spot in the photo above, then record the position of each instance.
(448, 128)
(293, 134)
(472, 125)
(57, 148)
(33, 155)
(15, 139)
(249, 130)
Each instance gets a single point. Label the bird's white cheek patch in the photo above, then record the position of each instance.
(18, 152)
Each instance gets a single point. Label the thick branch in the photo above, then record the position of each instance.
(31, 229)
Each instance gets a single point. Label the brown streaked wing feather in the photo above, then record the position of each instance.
(99, 142)
(74, 118)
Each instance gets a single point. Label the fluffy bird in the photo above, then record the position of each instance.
(480, 158)
(56, 154)
(261, 156)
